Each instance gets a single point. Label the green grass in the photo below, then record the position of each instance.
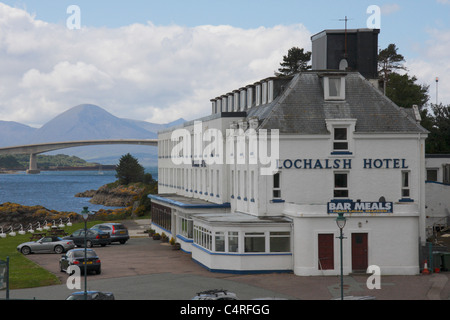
(24, 273)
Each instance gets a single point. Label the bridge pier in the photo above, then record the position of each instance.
(33, 169)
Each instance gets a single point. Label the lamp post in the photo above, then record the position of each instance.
(85, 214)
(340, 221)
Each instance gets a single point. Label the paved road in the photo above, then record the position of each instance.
(144, 269)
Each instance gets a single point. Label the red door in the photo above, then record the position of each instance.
(359, 252)
(326, 251)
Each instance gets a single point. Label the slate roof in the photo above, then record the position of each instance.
(302, 109)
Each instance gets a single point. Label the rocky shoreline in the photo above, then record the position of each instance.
(119, 196)
(125, 198)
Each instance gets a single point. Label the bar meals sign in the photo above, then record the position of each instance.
(359, 207)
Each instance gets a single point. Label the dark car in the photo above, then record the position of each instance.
(117, 231)
(75, 257)
(91, 295)
(94, 237)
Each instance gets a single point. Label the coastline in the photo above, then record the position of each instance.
(86, 168)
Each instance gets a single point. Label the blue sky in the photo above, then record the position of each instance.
(161, 33)
(403, 22)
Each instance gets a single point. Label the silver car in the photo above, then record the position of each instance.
(117, 231)
(46, 244)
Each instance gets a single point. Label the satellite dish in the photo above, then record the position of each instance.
(343, 65)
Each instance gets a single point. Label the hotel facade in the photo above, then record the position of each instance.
(257, 185)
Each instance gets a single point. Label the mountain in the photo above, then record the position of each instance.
(13, 133)
(88, 122)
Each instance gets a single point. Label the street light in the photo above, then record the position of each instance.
(340, 221)
(85, 214)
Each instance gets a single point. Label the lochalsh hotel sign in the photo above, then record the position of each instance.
(393, 163)
(359, 207)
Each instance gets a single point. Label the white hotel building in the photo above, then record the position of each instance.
(335, 142)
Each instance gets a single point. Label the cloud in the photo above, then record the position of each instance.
(140, 71)
(433, 62)
(387, 9)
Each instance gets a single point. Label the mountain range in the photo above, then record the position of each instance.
(88, 122)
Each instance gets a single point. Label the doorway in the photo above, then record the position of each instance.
(359, 252)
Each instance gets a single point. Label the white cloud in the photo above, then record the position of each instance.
(433, 62)
(387, 9)
(155, 73)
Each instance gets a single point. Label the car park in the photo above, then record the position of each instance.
(93, 237)
(117, 231)
(91, 295)
(75, 257)
(47, 244)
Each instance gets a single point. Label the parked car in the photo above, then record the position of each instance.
(46, 244)
(117, 231)
(215, 294)
(94, 237)
(91, 295)
(75, 257)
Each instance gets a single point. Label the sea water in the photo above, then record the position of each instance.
(55, 190)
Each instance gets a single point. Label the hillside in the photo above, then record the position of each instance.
(88, 122)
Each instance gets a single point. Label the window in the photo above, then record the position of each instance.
(264, 93)
(334, 88)
(341, 185)
(252, 186)
(232, 183)
(233, 241)
(258, 95)
(220, 242)
(270, 92)
(276, 186)
(446, 173)
(340, 141)
(203, 237)
(186, 226)
(432, 174)
(405, 184)
(280, 241)
(254, 242)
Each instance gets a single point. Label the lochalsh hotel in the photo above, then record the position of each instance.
(258, 184)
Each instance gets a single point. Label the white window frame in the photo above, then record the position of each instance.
(406, 184)
(341, 90)
(276, 188)
(346, 188)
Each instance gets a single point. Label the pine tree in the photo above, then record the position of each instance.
(295, 61)
(129, 170)
(389, 60)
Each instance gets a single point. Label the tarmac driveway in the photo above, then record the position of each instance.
(145, 258)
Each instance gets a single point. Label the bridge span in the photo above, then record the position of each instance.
(34, 149)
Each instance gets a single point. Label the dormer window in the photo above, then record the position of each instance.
(341, 135)
(340, 139)
(334, 88)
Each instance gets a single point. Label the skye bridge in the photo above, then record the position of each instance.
(34, 149)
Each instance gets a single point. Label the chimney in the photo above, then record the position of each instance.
(352, 50)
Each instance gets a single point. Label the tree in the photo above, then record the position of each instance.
(129, 170)
(389, 60)
(405, 92)
(438, 124)
(295, 61)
